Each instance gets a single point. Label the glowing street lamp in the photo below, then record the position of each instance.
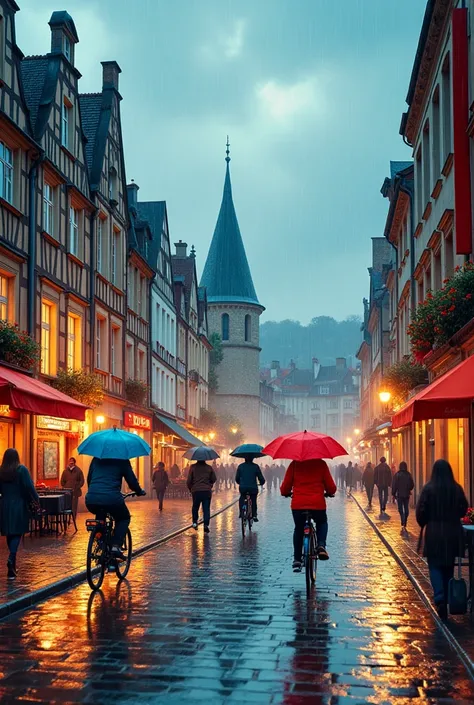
(212, 435)
(100, 419)
(357, 432)
(384, 396)
(234, 430)
(348, 440)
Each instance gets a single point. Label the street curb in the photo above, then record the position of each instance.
(453, 642)
(36, 596)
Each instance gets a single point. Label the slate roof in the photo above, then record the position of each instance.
(62, 17)
(91, 106)
(33, 74)
(227, 274)
(153, 212)
(184, 267)
(397, 167)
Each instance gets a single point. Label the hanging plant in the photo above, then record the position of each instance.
(85, 387)
(402, 377)
(17, 347)
(136, 391)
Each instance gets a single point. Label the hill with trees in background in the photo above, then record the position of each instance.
(324, 338)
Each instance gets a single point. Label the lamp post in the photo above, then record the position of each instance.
(385, 396)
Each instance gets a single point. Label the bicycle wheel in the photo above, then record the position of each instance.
(250, 514)
(122, 567)
(244, 519)
(95, 566)
(307, 564)
(312, 557)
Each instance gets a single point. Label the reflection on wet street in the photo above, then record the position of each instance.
(221, 619)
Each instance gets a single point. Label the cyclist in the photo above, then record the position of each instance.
(248, 477)
(309, 481)
(104, 495)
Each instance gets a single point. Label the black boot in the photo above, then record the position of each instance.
(11, 567)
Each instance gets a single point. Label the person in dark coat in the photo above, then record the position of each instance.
(383, 480)
(441, 506)
(248, 477)
(104, 495)
(73, 479)
(368, 482)
(174, 472)
(201, 479)
(349, 476)
(402, 487)
(160, 481)
(18, 492)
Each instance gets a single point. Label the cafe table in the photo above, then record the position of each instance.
(53, 505)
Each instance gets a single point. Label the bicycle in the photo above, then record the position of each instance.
(99, 550)
(246, 514)
(310, 552)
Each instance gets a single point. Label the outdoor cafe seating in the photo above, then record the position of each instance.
(55, 515)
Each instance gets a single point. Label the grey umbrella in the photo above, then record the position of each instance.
(201, 453)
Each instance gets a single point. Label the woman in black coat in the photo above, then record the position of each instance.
(18, 491)
(402, 487)
(441, 506)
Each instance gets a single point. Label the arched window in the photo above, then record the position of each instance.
(225, 326)
(248, 328)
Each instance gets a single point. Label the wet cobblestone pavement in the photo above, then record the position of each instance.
(46, 559)
(224, 620)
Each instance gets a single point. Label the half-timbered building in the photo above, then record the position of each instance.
(101, 123)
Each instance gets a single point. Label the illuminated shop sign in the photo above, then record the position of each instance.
(53, 424)
(132, 420)
(7, 413)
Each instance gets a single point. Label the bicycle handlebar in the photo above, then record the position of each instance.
(132, 494)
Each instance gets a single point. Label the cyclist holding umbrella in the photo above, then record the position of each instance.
(249, 476)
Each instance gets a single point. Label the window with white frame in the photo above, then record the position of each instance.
(316, 421)
(99, 343)
(436, 136)
(141, 365)
(2, 46)
(100, 245)
(74, 231)
(4, 303)
(347, 403)
(65, 126)
(6, 173)
(114, 257)
(74, 361)
(113, 180)
(129, 357)
(67, 47)
(114, 350)
(333, 420)
(48, 208)
(46, 337)
(446, 107)
(324, 390)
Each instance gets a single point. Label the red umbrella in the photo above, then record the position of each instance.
(304, 445)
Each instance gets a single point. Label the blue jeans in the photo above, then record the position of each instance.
(440, 577)
(404, 508)
(321, 521)
(13, 543)
(383, 498)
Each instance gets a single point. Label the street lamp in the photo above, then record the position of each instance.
(234, 430)
(348, 440)
(212, 435)
(357, 432)
(100, 419)
(384, 396)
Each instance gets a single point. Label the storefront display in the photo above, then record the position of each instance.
(141, 425)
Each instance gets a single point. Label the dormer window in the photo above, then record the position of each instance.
(67, 47)
(113, 185)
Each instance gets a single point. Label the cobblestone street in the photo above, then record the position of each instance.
(221, 619)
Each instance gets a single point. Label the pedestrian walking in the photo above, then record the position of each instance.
(342, 475)
(349, 476)
(201, 479)
(160, 481)
(174, 472)
(73, 479)
(402, 487)
(357, 474)
(18, 493)
(368, 482)
(383, 480)
(441, 506)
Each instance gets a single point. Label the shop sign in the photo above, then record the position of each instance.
(52, 423)
(132, 420)
(7, 413)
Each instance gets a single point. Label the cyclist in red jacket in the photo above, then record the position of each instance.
(309, 481)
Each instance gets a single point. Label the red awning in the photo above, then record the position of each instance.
(448, 397)
(23, 393)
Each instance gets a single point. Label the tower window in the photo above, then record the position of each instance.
(248, 328)
(225, 326)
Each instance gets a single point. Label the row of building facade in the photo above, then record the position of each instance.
(428, 237)
(86, 268)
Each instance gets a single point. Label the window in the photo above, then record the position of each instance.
(333, 420)
(113, 258)
(67, 47)
(66, 111)
(48, 209)
(99, 342)
(248, 328)
(334, 404)
(436, 136)
(4, 287)
(315, 406)
(114, 350)
(324, 390)
(316, 421)
(100, 245)
(347, 403)
(448, 256)
(74, 361)
(6, 173)
(426, 165)
(446, 107)
(419, 185)
(46, 338)
(130, 366)
(73, 231)
(113, 184)
(2, 46)
(139, 293)
(225, 326)
(141, 365)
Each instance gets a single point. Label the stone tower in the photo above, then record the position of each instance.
(234, 312)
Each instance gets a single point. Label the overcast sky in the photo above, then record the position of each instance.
(311, 93)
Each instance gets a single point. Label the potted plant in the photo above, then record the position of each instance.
(136, 391)
(85, 387)
(17, 347)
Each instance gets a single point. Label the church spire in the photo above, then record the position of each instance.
(226, 275)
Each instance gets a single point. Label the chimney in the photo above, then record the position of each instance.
(274, 369)
(132, 192)
(110, 74)
(340, 363)
(316, 368)
(181, 249)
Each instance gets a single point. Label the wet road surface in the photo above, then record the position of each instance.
(224, 620)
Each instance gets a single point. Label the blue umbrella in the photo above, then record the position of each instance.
(201, 453)
(116, 444)
(248, 449)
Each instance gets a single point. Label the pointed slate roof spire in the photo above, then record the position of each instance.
(227, 276)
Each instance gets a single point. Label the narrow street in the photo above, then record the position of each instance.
(221, 619)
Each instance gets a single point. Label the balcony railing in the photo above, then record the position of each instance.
(181, 413)
(165, 355)
(181, 367)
